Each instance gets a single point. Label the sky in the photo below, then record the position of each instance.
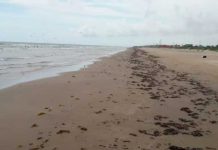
(110, 22)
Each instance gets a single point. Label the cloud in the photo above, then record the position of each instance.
(172, 19)
(114, 8)
(159, 17)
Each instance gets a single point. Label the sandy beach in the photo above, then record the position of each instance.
(140, 99)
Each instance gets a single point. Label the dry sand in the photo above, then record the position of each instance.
(132, 100)
(191, 61)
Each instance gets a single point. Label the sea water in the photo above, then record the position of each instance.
(22, 62)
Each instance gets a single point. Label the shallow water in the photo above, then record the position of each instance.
(22, 62)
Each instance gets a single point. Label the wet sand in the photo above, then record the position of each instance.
(132, 100)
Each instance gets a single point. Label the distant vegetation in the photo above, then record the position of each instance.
(186, 46)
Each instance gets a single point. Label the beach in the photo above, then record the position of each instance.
(139, 99)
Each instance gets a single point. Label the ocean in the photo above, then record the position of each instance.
(23, 62)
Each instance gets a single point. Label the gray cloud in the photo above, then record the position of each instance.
(174, 20)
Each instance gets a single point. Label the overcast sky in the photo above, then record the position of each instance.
(110, 22)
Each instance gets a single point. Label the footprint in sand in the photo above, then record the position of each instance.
(133, 134)
(100, 111)
(41, 113)
(34, 125)
(114, 101)
(39, 138)
(82, 128)
(19, 146)
(48, 108)
(63, 131)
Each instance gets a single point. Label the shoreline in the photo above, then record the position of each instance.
(130, 100)
(54, 72)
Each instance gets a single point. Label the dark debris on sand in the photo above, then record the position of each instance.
(165, 85)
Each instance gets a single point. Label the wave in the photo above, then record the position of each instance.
(47, 59)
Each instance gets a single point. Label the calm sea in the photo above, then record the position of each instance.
(22, 62)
